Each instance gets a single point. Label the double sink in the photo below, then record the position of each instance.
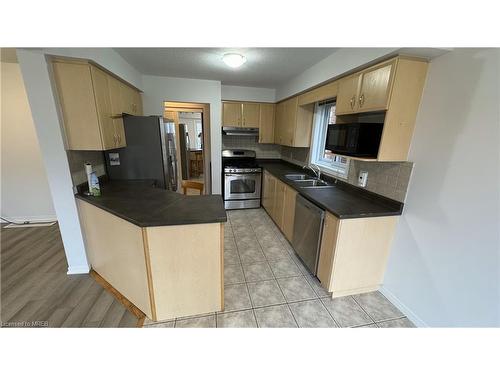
(306, 181)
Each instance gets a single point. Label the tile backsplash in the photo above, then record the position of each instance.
(295, 155)
(389, 179)
(77, 160)
(262, 150)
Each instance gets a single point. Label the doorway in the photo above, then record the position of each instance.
(192, 135)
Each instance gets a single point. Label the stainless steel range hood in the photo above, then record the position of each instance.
(232, 130)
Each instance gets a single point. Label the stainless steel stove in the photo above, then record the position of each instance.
(242, 179)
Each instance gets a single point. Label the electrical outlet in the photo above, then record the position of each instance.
(362, 178)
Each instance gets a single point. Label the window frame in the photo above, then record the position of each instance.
(318, 141)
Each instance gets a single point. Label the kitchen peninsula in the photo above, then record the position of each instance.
(161, 250)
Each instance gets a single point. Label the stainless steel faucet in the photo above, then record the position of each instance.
(317, 171)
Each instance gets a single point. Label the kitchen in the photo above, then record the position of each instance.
(249, 165)
(309, 246)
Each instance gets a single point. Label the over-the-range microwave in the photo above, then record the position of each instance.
(355, 139)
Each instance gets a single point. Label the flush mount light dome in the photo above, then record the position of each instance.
(234, 60)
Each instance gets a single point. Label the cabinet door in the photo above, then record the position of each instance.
(103, 104)
(250, 115)
(290, 117)
(115, 94)
(268, 193)
(327, 250)
(76, 97)
(289, 212)
(127, 96)
(279, 203)
(266, 122)
(375, 88)
(347, 95)
(137, 103)
(280, 120)
(231, 114)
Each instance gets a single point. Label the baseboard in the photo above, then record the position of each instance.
(78, 270)
(31, 219)
(415, 319)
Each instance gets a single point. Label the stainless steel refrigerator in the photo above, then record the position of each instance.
(150, 152)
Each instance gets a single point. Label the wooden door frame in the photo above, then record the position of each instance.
(204, 108)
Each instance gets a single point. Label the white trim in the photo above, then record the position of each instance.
(78, 270)
(31, 219)
(414, 318)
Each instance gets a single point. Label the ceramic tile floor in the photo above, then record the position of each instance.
(266, 285)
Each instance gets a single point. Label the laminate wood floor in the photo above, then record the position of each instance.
(35, 289)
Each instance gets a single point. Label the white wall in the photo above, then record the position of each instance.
(35, 71)
(339, 62)
(251, 94)
(157, 90)
(25, 189)
(444, 268)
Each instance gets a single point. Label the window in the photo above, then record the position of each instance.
(338, 165)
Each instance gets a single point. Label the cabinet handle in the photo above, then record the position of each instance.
(361, 100)
(114, 139)
(119, 139)
(353, 101)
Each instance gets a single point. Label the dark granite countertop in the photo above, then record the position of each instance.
(342, 200)
(144, 205)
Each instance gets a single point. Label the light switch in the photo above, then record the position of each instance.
(362, 178)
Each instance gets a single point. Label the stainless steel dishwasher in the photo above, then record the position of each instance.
(307, 231)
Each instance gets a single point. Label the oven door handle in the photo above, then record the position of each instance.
(241, 174)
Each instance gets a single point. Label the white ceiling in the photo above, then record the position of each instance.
(265, 67)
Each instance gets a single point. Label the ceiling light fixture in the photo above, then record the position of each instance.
(234, 60)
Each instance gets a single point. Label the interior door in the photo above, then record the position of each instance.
(231, 114)
(250, 115)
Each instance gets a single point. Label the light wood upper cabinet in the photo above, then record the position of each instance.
(375, 87)
(115, 92)
(231, 114)
(241, 114)
(131, 100)
(250, 115)
(103, 103)
(76, 97)
(366, 91)
(92, 102)
(347, 96)
(266, 122)
(293, 123)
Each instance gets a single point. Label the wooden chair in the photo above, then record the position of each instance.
(191, 185)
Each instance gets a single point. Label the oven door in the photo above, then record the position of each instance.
(242, 186)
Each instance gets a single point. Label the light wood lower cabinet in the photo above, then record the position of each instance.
(166, 271)
(279, 203)
(289, 212)
(278, 199)
(354, 253)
